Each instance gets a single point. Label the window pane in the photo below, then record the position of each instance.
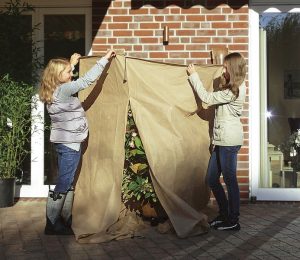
(64, 35)
(283, 98)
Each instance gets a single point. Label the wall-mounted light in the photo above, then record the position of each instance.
(166, 35)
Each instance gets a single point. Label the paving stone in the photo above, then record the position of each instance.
(275, 235)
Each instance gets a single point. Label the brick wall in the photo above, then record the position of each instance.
(137, 26)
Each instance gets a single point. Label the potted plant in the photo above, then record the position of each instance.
(15, 130)
(138, 193)
(137, 188)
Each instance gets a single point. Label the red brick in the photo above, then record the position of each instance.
(197, 47)
(195, 18)
(243, 157)
(117, 11)
(236, 17)
(159, 11)
(242, 10)
(143, 18)
(118, 26)
(116, 4)
(237, 32)
(141, 55)
(240, 40)
(159, 18)
(190, 25)
(221, 32)
(238, 47)
(156, 55)
(149, 25)
(112, 40)
(185, 32)
(215, 17)
(174, 47)
(221, 39)
(177, 55)
(175, 11)
(240, 25)
(149, 40)
(191, 11)
(143, 33)
(174, 18)
(201, 39)
(122, 33)
(200, 55)
(206, 33)
(122, 18)
(218, 25)
(99, 41)
(139, 11)
(138, 48)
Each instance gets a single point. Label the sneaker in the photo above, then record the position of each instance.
(229, 226)
(217, 221)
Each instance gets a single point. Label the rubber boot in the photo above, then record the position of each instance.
(66, 212)
(54, 223)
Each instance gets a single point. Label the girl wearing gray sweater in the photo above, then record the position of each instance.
(69, 128)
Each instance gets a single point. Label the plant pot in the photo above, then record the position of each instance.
(148, 211)
(7, 192)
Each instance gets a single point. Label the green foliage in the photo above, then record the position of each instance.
(16, 101)
(18, 52)
(283, 30)
(136, 184)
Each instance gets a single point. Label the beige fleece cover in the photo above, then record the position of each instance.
(175, 139)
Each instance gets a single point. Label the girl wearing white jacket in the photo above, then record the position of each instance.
(227, 137)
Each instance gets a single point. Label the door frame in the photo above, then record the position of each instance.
(37, 187)
(256, 127)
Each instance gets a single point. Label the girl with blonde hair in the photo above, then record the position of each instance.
(69, 128)
(227, 137)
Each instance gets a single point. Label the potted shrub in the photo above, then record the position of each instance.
(15, 131)
(138, 193)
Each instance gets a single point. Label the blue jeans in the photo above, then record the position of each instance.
(224, 160)
(68, 160)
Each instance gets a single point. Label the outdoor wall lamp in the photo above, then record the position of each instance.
(166, 35)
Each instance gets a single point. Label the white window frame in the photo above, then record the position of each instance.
(255, 113)
(42, 8)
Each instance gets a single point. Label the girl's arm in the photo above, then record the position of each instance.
(70, 88)
(210, 98)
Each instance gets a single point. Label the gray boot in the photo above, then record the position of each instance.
(54, 224)
(66, 212)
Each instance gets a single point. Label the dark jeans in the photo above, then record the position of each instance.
(224, 160)
(68, 160)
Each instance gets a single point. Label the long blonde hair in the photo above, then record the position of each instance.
(236, 72)
(50, 78)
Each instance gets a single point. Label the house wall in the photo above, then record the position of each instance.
(195, 29)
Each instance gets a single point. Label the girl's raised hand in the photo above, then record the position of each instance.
(191, 69)
(74, 59)
(110, 53)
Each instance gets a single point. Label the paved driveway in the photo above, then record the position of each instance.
(268, 231)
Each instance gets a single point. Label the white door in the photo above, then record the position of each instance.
(274, 76)
(64, 27)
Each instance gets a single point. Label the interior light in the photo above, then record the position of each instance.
(269, 114)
